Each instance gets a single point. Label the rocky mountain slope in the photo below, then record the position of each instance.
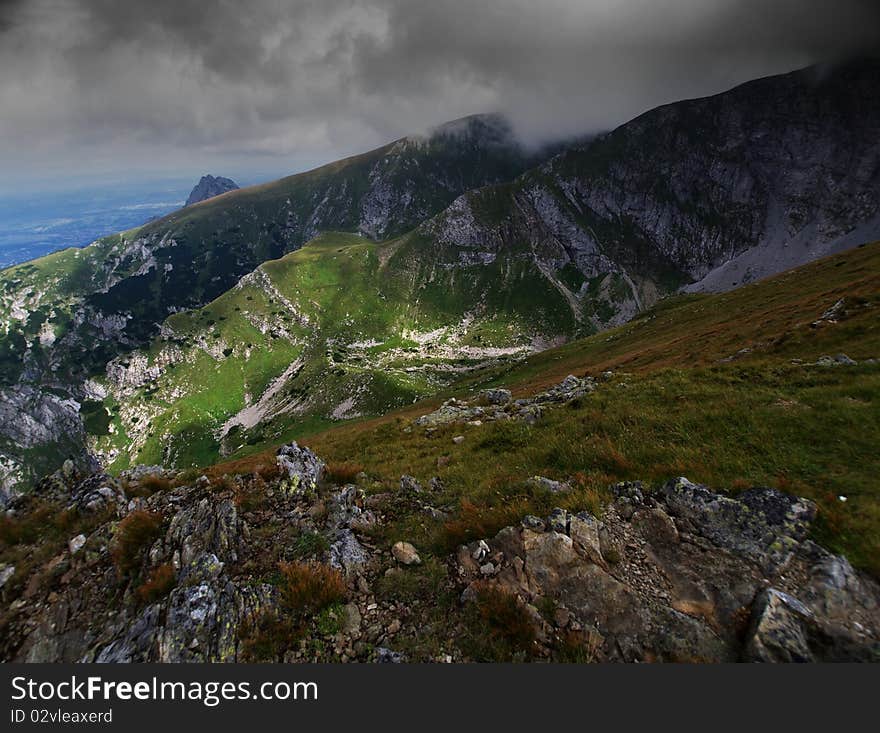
(208, 187)
(707, 194)
(282, 565)
(690, 195)
(63, 318)
(584, 242)
(532, 518)
(341, 328)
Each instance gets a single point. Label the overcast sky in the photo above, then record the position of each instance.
(190, 86)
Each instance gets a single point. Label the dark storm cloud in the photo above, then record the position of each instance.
(174, 83)
(7, 13)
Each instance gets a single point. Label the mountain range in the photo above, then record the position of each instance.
(272, 311)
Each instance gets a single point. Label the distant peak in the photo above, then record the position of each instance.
(210, 186)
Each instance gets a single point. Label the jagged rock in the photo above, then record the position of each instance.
(198, 620)
(763, 525)
(346, 553)
(584, 530)
(481, 552)
(781, 632)
(699, 577)
(405, 554)
(656, 526)
(529, 414)
(202, 621)
(97, 493)
(495, 396)
(838, 360)
(386, 656)
(496, 404)
(207, 527)
(301, 467)
(6, 572)
(570, 388)
(76, 544)
(834, 313)
(629, 497)
(364, 521)
(208, 187)
(410, 484)
(546, 484)
(34, 425)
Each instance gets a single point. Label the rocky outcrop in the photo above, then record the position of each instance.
(685, 574)
(187, 592)
(301, 469)
(33, 422)
(192, 571)
(202, 607)
(497, 404)
(208, 187)
(200, 619)
(711, 193)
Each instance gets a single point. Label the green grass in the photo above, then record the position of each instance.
(346, 308)
(675, 406)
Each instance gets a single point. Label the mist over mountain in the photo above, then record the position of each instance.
(553, 342)
(165, 86)
(467, 248)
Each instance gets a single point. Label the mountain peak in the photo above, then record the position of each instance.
(210, 186)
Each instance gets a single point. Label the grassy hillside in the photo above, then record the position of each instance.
(343, 327)
(65, 317)
(724, 389)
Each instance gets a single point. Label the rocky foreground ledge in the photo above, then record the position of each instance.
(685, 574)
(166, 569)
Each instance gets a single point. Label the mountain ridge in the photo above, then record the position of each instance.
(578, 243)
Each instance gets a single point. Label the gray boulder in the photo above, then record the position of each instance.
(301, 468)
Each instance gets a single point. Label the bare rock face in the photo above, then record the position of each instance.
(716, 192)
(301, 467)
(197, 621)
(686, 574)
(33, 422)
(208, 187)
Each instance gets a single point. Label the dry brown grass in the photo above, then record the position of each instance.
(266, 637)
(578, 647)
(342, 473)
(474, 522)
(154, 482)
(33, 525)
(158, 584)
(137, 531)
(307, 587)
(501, 629)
